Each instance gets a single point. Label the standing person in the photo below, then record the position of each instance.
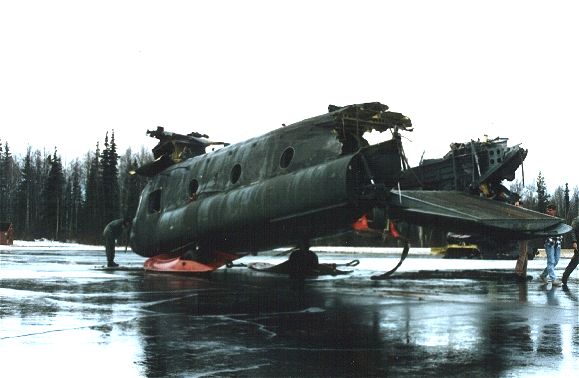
(112, 232)
(553, 251)
(575, 259)
(521, 266)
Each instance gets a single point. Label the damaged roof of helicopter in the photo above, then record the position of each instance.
(367, 116)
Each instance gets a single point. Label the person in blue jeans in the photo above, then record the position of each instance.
(553, 251)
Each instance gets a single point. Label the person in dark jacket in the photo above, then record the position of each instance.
(575, 259)
(112, 232)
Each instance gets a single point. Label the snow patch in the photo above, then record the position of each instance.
(48, 244)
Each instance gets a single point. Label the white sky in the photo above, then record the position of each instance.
(71, 70)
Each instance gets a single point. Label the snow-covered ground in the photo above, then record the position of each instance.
(52, 245)
(47, 245)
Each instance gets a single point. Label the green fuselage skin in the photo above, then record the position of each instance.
(295, 183)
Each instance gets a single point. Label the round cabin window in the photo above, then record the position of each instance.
(154, 205)
(235, 173)
(286, 157)
(193, 188)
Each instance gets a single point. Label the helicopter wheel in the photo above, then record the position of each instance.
(303, 262)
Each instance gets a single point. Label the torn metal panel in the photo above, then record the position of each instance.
(476, 166)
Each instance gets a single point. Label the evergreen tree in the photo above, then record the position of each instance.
(1, 182)
(4, 213)
(26, 199)
(110, 180)
(3, 188)
(574, 205)
(41, 169)
(93, 224)
(9, 177)
(53, 195)
(567, 216)
(75, 200)
(542, 195)
(105, 182)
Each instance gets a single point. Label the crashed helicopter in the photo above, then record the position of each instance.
(314, 178)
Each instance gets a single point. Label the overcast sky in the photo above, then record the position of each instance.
(71, 70)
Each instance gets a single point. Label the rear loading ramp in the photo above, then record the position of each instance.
(458, 211)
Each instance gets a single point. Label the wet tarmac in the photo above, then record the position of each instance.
(61, 316)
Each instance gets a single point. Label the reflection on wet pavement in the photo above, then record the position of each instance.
(61, 316)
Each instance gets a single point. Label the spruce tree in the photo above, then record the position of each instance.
(75, 201)
(3, 188)
(9, 177)
(542, 195)
(110, 181)
(567, 214)
(26, 199)
(53, 195)
(574, 206)
(93, 224)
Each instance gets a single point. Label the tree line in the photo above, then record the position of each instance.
(536, 197)
(44, 199)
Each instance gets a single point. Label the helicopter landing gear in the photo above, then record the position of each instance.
(302, 262)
